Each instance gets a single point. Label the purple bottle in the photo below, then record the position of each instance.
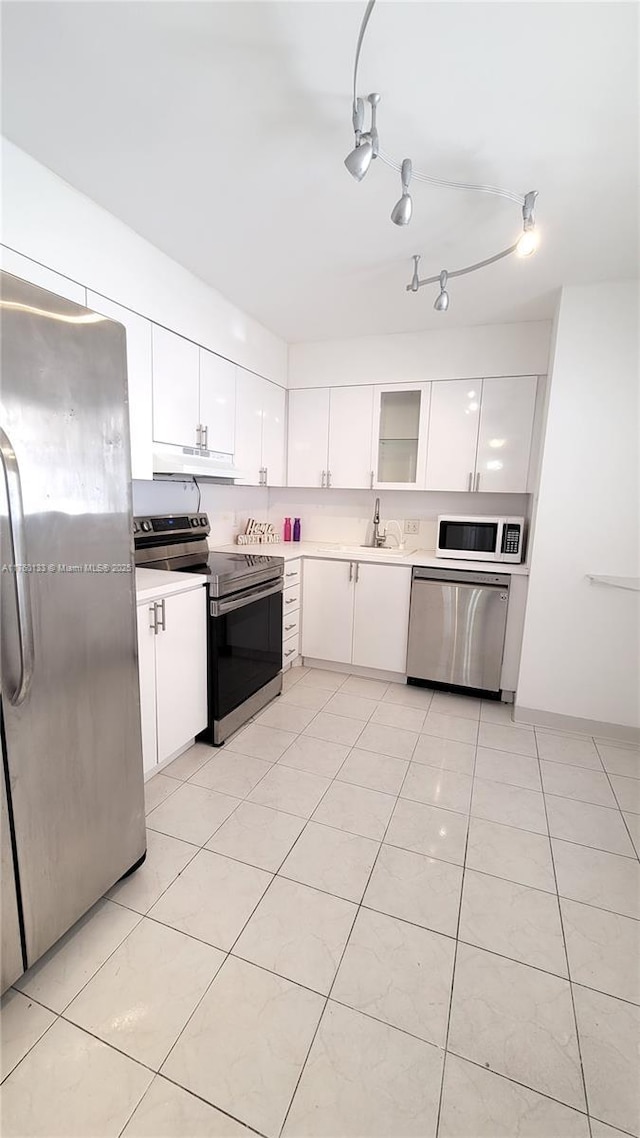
(296, 529)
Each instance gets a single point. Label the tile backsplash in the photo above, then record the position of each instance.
(326, 515)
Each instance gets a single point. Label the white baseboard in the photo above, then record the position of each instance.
(354, 670)
(595, 727)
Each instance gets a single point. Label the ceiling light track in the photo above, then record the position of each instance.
(367, 148)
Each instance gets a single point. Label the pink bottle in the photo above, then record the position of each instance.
(287, 529)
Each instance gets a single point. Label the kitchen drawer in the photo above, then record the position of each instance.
(291, 599)
(290, 624)
(290, 649)
(292, 573)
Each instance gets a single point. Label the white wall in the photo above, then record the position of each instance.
(449, 353)
(45, 219)
(580, 652)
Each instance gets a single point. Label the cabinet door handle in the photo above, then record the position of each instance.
(198, 435)
(328, 479)
(477, 481)
(357, 571)
(161, 622)
(288, 627)
(290, 652)
(351, 570)
(470, 486)
(371, 481)
(324, 475)
(153, 622)
(265, 471)
(205, 430)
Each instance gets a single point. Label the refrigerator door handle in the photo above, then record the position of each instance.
(19, 572)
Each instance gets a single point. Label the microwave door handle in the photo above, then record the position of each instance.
(13, 488)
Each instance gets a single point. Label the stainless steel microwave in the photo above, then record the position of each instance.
(480, 538)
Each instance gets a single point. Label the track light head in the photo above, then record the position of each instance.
(402, 210)
(359, 160)
(442, 300)
(529, 239)
(415, 280)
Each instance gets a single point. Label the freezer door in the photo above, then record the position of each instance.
(456, 633)
(69, 658)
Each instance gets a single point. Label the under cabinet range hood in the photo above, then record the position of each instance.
(193, 461)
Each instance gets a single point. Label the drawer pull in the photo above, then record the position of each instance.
(291, 601)
(293, 573)
(288, 627)
(290, 652)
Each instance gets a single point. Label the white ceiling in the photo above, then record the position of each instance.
(218, 132)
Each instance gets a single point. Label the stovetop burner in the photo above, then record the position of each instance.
(179, 543)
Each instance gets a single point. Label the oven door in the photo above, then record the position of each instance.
(245, 646)
(472, 539)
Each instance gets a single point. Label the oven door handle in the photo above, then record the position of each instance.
(221, 608)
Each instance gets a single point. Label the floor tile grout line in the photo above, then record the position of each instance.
(46, 1031)
(518, 1083)
(455, 955)
(566, 953)
(624, 820)
(213, 1106)
(359, 907)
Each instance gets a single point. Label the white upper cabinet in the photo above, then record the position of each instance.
(330, 437)
(453, 434)
(260, 430)
(139, 380)
(217, 415)
(350, 424)
(381, 616)
(308, 436)
(176, 382)
(400, 423)
(273, 433)
(480, 434)
(248, 452)
(504, 438)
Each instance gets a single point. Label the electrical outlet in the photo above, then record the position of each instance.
(412, 526)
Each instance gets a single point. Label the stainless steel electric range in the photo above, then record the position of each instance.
(244, 621)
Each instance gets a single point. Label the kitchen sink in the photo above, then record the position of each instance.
(362, 551)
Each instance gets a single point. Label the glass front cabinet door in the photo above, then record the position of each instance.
(399, 446)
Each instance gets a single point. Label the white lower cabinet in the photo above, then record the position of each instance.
(356, 613)
(381, 617)
(172, 660)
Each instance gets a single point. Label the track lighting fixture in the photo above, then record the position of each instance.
(442, 300)
(401, 212)
(367, 148)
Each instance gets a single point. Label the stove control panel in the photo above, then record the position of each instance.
(170, 527)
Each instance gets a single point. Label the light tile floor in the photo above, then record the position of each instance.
(378, 912)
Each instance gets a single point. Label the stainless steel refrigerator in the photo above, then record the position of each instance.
(72, 786)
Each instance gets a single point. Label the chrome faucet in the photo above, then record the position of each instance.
(378, 539)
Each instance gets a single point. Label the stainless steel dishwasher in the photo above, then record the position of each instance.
(457, 625)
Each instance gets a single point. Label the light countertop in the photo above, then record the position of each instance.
(291, 550)
(153, 583)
